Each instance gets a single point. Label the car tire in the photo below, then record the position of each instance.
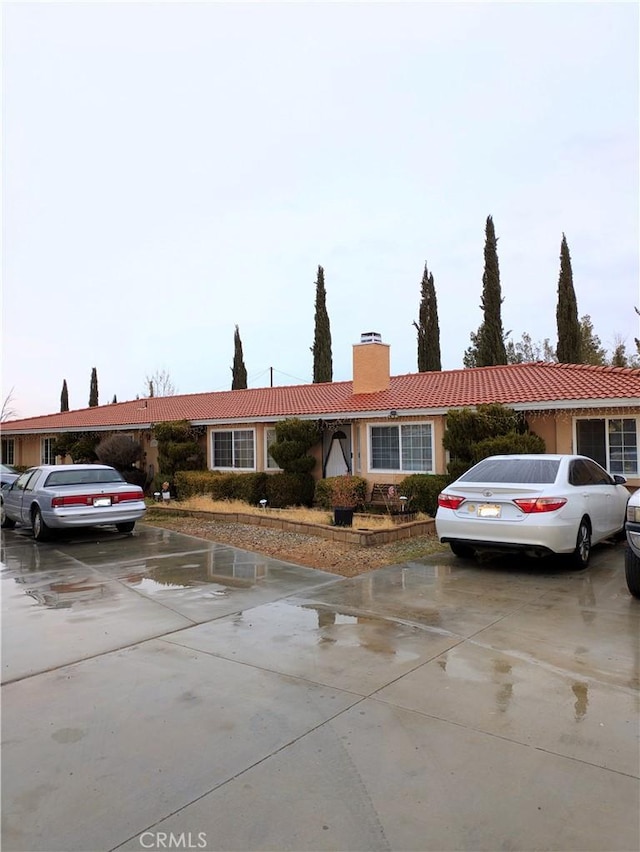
(463, 551)
(7, 523)
(580, 556)
(632, 571)
(126, 526)
(41, 531)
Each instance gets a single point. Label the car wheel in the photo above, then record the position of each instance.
(632, 571)
(126, 527)
(582, 552)
(461, 550)
(41, 531)
(7, 523)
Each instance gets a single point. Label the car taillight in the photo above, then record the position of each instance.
(75, 500)
(449, 501)
(128, 495)
(87, 499)
(535, 505)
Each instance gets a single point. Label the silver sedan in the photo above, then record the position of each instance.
(52, 497)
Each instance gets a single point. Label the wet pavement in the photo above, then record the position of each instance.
(160, 691)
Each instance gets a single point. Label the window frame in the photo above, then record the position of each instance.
(46, 448)
(8, 451)
(399, 426)
(269, 463)
(233, 430)
(606, 419)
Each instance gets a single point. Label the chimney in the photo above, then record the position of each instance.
(371, 371)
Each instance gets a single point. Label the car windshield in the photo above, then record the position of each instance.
(513, 470)
(82, 477)
(6, 468)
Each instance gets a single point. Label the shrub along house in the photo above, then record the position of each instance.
(378, 426)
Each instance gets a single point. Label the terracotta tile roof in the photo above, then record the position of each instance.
(536, 385)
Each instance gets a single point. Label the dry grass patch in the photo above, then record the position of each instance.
(301, 514)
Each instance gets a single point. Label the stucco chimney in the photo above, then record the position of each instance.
(371, 370)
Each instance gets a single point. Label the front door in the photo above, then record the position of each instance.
(337, 458)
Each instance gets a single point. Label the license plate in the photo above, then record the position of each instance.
(489, 511)
(102, 501)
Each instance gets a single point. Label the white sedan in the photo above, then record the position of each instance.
(538, 504)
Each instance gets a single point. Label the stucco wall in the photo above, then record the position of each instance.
(555, 427)
(544, 425)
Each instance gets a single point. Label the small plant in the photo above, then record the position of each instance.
(347, 491)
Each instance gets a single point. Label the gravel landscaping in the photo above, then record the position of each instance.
(334, 557)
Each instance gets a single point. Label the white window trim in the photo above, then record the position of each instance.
(387, 425)
(10, 450)
(267, 466)
(43, 443)
(606, 419)
(233, 429)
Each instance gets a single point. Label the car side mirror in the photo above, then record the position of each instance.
(619, 479)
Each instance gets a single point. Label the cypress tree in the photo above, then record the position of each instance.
(322, 362)
(64, 397)
(428, 328)
(239, 371)
(569, 348)
(591, 349)
(93, 390)
(491, 348)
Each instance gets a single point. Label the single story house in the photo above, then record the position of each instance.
(378, 426)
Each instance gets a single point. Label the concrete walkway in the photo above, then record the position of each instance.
(163, 692)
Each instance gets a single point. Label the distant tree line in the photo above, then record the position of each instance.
(577, 342)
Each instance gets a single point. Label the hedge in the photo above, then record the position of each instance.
(289, 489)
(250, 487)
(422, 490)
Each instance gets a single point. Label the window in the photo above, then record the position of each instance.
(21, 482)
(270, 437)
(584, 472)
(233, 449)
(520, 471)
(46, 451)
(8, 451)
(84, 476)
(610, 441)
(406, 447)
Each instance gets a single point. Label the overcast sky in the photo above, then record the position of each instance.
(172, 170)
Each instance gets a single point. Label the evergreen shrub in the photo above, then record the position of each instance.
(472, 435)
(505, 444)
(294, 439)
(289, 489)
(191, 483)
(248, 487)
(422, 489)
(179, 447)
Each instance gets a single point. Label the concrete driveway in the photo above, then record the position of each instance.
(162, 692)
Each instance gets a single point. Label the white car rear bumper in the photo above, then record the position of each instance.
(527, 533)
